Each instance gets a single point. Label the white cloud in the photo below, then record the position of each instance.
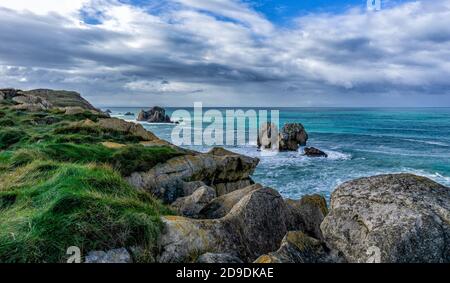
(42, 7)
(228, 50)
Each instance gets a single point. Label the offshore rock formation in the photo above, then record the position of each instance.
(290, 138)
(314, 152)
(390, 218)
(154, 115)
(220, 169)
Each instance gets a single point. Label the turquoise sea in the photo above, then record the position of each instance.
(359, 141)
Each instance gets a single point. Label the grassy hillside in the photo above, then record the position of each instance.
(61, 187)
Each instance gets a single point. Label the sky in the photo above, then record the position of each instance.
(252, 53)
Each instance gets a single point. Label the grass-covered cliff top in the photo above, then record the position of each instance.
(62, 184)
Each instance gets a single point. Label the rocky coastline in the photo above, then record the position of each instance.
(220, 215)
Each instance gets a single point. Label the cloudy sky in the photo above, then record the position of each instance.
(230, 52)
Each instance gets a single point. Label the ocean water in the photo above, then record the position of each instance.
(360, 142)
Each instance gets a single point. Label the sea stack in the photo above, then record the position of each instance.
(154, 115)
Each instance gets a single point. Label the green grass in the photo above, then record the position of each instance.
(59, 187)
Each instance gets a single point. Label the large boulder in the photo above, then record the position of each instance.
(221, 206)
(223, 170)
(154, 115)
(290, 138)
(297, 247)
(191, 205)
(293, 136)
(255, 226)
(390, 218)
(307, 214)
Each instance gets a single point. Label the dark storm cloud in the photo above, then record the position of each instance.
(200, 54)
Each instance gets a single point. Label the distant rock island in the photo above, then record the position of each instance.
(72, 176)
(154, 115)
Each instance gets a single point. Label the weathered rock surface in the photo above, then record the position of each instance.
(314, 152)
(254, 226)
(126, 127)
(390, 218)
(307, 214)
(45, 99)
(221, 206)
(129, 114)
(191, 205)
(218, 258)
(290, 138)
(297, 247)
(112, 256)
(154, 115)
(218, 168)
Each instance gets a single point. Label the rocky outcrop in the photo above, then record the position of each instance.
(390, 218)
(254, 226)
(314, 152)
(129, 114)
(220, 169)
(45, 99)
(290, 138)
(218, 258)
(112, 256)
(297, 247)
(191, 205)
(154, 115)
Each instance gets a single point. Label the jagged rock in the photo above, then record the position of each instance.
(290, 138)
(314, 152)
(218, 258)
(390, 218)
(191, 205)
(221, 206)
(297, 247)
(30, 103)
(112, 256)
(254, 226)
(154, 115)
(129, 114)
(108, 111)
(307, 213)
(217, 168)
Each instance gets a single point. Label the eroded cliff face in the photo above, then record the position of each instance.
(223, 170)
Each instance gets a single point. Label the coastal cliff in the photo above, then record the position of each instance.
(72, 176)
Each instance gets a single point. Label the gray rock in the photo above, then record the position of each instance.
(218, 258)
(254, 226)
(221, 206)
(390, 218)
(307, 214)
(168, 181)
(112, 256)
(297, 247)
(190, 206)
(314, 152)
(154, 115)
(290, 138)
